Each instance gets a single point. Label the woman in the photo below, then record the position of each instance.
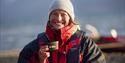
(73, 46)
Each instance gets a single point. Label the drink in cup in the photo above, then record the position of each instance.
(53, 45)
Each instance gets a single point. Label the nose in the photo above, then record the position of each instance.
(59, 18)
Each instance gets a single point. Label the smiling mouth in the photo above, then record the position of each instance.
(58, 23)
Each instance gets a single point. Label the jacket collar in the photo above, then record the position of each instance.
(63, 34)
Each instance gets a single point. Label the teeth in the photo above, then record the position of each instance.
(58, 23)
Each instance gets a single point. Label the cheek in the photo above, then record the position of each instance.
(52, 20)
(67, 21)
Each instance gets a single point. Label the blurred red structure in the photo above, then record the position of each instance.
(110, 44)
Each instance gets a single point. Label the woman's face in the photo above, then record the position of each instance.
(59, 19)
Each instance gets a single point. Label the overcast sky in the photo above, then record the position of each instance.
(22, 20)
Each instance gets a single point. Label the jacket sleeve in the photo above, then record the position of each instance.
(27, 52)
(93, 53)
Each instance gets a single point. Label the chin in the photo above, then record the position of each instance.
(57, 28)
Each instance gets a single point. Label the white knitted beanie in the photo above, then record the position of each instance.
(65, 5)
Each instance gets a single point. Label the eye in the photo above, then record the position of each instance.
(64, 14)
(54, 13)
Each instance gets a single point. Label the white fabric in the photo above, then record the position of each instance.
(65, 5)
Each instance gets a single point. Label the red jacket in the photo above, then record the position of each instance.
(74, 47)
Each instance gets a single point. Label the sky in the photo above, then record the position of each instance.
(22, 20)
